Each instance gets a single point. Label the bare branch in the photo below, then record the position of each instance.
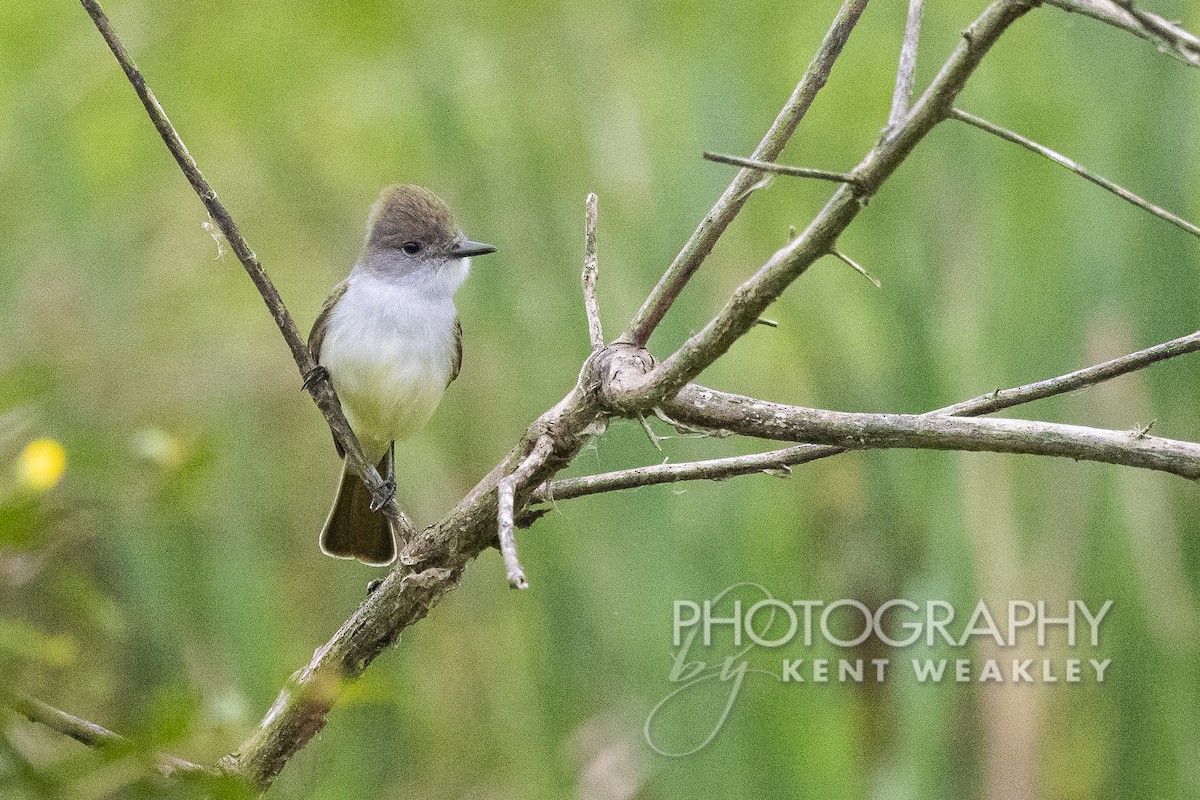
(720, 468)
(752, 297)
(1081, 171)
(97, 736)
(752, 417)
(906, 73)
(506, 492)
(780, 169)
(1164, 34)
(591, 266)
(1079, 379)
(315, 380)
(727, 207)
(711, 469)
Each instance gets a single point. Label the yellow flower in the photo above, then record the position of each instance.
(42, 464)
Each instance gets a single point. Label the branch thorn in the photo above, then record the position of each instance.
(857, 267)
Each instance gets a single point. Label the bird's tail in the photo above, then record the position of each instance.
(352, 529)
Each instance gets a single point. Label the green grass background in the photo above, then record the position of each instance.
(171, 583)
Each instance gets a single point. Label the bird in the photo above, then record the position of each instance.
(390, 341)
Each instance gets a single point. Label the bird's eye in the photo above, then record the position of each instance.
(412, 248)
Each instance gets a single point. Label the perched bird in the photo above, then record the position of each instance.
(390, 339)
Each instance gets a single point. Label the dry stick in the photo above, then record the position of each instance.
(779, 169)
(1081, 171)
(748, 416)
(97, 736)
(719, 468)
(506, 493)
(591, 266)
(727, 207)
(751, 298)
(906, 72)
(1167, 35)
(320, 390)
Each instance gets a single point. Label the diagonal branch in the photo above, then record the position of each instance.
(819, 238)
(1078, 169)
(97, 736)
(1166, 35)
(315, 381)
(906, 72)
(727, 207)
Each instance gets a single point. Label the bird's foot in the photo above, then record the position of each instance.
(381, 496)
(313, 377)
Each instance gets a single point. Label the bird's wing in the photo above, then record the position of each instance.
(317, 335)
(456, 364)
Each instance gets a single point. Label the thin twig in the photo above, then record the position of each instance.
(720, 468)
(857, 268)
(506, 494)
(97, 736)
(779, 169)
(1071, 381)
(727, 207)
(320, 390)
(591, 266)
(906, 72)
(1078, 169)
(1168, 36)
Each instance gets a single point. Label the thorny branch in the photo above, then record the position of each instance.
(622, 379)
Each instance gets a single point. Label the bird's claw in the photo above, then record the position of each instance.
(313, 377)
(381, 496)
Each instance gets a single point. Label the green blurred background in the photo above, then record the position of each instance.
(170, 582)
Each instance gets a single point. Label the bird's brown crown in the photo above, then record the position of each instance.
(405, 214)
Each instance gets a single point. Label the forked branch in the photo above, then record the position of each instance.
(727, 207)
(775, 461)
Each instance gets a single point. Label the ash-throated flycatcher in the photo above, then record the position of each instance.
(390, 339)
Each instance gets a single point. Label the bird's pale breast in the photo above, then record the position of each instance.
(389, 350)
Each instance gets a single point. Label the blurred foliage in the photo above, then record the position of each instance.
(170, 582)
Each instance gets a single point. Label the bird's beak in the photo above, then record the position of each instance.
(467, 248)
